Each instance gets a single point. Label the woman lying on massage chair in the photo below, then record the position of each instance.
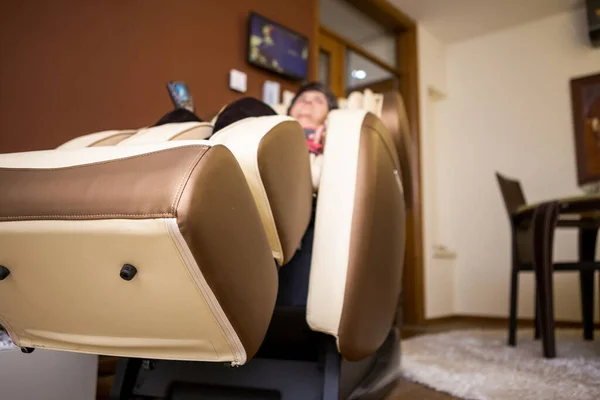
(309, 107)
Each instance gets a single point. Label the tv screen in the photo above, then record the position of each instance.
(277, 49)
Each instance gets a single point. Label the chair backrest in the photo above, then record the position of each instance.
(512, 193)
(359, 236)
(390, 108)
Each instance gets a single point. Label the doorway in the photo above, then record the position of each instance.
(383, 63)
(346, 67)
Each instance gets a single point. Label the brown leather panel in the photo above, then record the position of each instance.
(376, 258)
(284, 168)
(219, 221)
(112, 140)
(395, 119)
(143, 186)
(372, 122)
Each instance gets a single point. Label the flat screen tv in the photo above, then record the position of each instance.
(277, 49)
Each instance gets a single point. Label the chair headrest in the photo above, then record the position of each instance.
(366, 100)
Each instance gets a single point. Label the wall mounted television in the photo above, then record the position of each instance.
(277, 49)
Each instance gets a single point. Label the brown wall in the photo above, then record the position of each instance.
(71, 67)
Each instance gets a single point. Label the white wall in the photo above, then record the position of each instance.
(508, 109)
(438, 273)
(48, 375)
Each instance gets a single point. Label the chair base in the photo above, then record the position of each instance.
(309, 367)
(328, 378)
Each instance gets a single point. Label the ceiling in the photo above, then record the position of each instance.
(452, 21)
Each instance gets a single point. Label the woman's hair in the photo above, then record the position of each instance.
(178, 115)
(319, 87)
(240, 109)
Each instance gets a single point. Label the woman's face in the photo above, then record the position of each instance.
(310, 109)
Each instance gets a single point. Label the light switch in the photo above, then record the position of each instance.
(238, 81)
(271, 91)
(288, 97)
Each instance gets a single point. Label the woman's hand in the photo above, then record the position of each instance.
(316, 140)
(319, 135)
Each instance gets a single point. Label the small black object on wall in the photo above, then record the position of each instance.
(593, 13)
(4, 272)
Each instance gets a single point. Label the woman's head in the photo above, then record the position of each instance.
(178, 115)
(311, 105)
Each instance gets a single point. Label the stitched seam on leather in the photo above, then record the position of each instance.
(159, 215)
(391, 151)
(102, 162)
(175, 136)
(72, 216)
(105, 138)
(278, 253)
(185, 179)
(184, 258)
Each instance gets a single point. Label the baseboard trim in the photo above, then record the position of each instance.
(490, 321)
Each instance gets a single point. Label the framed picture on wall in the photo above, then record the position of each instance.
(585, 98)
(277, 49)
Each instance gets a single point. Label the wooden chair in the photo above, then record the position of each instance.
(520, 216)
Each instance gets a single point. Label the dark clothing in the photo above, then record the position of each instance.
(178, 115)
(295, 275)
(240, 109)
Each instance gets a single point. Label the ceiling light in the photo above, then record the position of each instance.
(359, 74)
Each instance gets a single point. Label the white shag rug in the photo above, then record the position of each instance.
(478, 364)
(5, 342)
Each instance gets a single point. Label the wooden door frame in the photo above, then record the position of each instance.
(407, 68)
(337, 56)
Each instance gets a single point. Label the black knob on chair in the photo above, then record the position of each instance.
(27, 350)
(128, 271)
(4, 272)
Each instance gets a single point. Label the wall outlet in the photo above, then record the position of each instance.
(442, 252)
(271, 90)
(238, 81)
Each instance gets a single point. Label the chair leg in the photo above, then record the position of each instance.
(586, 281)
(512, 318)
(514, 290)
(536, 319)
(587, 252)
(544, 222)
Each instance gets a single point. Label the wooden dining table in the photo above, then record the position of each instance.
(581, 213)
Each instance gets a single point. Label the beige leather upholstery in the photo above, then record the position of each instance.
(166, 132)
(358, 249)
(105, 138)
(272, 154)
(181, 213)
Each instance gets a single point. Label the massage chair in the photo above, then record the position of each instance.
(207, 263)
